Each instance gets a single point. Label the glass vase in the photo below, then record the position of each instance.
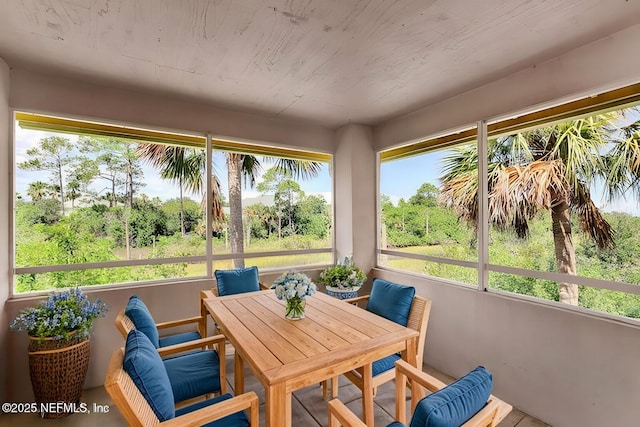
(295, 308)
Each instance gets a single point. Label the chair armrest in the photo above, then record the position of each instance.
(485, 415)
(425, 380)
(181, 322)
(264, 287)
(339, 414)
(208, 293)
(356, 300)
(503, 409)
(219, 410)
(219, 340)
(495, 408)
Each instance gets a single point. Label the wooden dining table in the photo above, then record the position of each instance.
(286, 355)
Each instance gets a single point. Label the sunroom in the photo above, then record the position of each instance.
(481, 153)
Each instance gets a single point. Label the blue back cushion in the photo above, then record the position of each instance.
(140, 315)
(455, 404)
(179, 338)
(391, 301)
(146, 369)
(237, 281)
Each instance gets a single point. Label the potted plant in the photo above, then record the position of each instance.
(294, 288)
(59, 330)
(342, 280)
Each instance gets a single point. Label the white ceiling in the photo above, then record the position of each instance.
(328, 61)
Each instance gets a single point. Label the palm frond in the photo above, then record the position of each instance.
(521, 191)
(460, 193)
(622, 163)
(591, 220)
(299, 169)
(250, 169)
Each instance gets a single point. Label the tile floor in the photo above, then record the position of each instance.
(309, 409)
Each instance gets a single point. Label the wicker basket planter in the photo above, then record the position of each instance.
(58, 369)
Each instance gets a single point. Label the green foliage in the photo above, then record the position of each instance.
(171, 211)
(421, 222)
(45, 211)
(344, 275)
(426, 195)
(286, 194)
(146, 222)
(313, 217)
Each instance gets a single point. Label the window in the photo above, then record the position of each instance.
(420, 232)
(286, 210)
(103, 204)
(563, 199)
(562, 204)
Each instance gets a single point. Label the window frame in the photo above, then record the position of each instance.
(126, 130)
(490, 128)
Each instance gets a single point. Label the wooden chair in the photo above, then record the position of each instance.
(125, 324)
(137, 411)
(418, 320)
(488, 415)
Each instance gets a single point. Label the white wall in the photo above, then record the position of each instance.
(42, 93)
(5, 171)
(355, 190)
(603, 65)
(566, 368)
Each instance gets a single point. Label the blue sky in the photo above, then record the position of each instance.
(399, 179)
(155, 186)
(402, 178)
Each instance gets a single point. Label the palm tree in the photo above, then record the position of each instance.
(37, 190)
(549, 168)
(245, 166)
(73, 192)
(239, 166)
(183, 166)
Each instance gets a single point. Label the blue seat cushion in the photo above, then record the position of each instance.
(237, 281)
(379, 366)
(194, 374)
(146, 369)
(237, 419)
(179, 338)
(141, 317)
(391, 301)
(455, 404)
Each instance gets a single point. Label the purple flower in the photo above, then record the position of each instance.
(60, 315)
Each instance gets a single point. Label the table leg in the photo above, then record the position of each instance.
(410, 356)
(367, 394)
(238, 370)
(277, 406)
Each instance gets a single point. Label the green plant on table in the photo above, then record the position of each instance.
(344, 275)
